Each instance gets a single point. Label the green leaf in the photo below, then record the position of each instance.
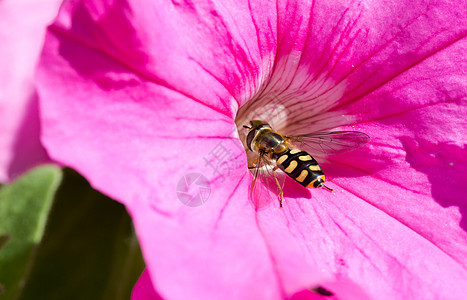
(3, 240)
(24, 208)
(89, 251)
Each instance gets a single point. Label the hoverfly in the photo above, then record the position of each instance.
(277, 151)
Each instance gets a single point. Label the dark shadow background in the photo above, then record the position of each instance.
(89, 250)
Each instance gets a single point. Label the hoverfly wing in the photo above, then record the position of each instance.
(330, 143)
(264, 188)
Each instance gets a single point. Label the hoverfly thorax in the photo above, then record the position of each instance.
(261, 138)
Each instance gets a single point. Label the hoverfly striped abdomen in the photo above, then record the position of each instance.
(301, 166)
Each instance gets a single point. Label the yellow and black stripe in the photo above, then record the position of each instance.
(301, 166)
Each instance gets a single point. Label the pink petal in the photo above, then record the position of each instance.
(22, 26)
(414, 171)
(136, 97)
(150, 136)
(144, 290)
(309, 295)
(401, 87)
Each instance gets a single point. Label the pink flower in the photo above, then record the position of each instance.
(22, 29)
(142, 99)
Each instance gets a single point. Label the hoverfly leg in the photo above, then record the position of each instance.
(329, 189)
(252, 164)
(281, 194)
